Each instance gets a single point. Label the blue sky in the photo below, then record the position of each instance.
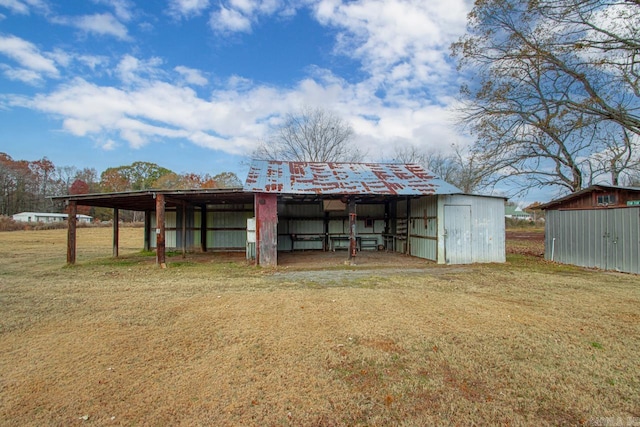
(196, 85)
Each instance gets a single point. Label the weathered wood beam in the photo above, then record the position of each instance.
(147, 230)
(160, 231)
(203, 228)
(353, 243)
(266, 208)
(184, 231)
(71, 232)
(116, 231)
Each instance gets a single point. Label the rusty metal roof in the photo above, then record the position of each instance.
(268, 176)
(144, 200)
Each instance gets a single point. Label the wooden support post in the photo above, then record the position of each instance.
(203, 228)
(386, 218)
(353, 243)
(325, 241)
(266, 208)
(116, 231)
(71, 232)
(407, 248)
(160, 234)
(147, 230)
(184, 230)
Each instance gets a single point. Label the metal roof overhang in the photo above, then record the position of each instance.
(144, 200)
(358, 198)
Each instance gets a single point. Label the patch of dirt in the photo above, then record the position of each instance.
(534, 236)
(525, 242)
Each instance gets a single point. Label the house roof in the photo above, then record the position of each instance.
(515, 210)
(49, 214)
(373, 179)
(587, 190)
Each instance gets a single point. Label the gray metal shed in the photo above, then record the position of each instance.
(597, 227)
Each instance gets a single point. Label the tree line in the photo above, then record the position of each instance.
(27, 186)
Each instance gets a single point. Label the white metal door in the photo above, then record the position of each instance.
(457, 234)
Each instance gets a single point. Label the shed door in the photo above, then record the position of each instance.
(457, 229)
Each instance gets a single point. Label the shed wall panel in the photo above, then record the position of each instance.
(487, 227)
(423, 228)
(604, 238)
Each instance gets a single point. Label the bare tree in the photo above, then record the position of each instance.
(549, 79)
(460, 168)
(311, 135)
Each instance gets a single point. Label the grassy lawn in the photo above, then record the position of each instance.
(213, 341)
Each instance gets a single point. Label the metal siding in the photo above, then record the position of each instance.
(423, 228)
(488, 229)
(307, 227)
(487, 238)
(233, 216)
(604, 238)
(339, 226)
(458, 237)
(297, 210)
(229, 224)
(370, 210)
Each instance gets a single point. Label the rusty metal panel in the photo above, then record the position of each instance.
(268, 176)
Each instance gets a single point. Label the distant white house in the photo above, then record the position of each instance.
(517, 213)
(48, 217)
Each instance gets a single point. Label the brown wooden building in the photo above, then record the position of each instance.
(597, 197)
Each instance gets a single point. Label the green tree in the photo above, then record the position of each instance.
(137, 176)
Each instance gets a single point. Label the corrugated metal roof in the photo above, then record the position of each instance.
(268, 176)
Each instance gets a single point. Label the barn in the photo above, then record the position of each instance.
(597, 227)
(370, 206)
(307, 206)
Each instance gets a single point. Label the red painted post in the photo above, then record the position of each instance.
(160, 235)
(71, 232)
(266, 209)
(353, 243)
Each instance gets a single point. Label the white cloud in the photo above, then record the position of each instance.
(27, 55)
(15, 6)
(133, 70)
(187, 8)
(239, 15)
(21, 74)
(102, 24)
(191, 76)
(23, 7)
(236, 117)
(122, 8)
(229, 20)
(401, 44)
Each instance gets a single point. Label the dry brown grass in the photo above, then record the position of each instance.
(212, 341)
